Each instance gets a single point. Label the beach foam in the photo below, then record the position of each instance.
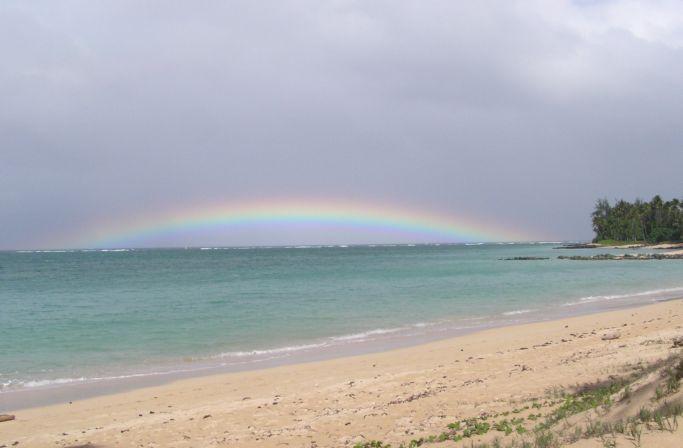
(600, 298)
(515, 312)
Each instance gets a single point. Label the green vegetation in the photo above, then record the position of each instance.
(590, 397)
(616, 242)
(625, 222)
(372, 444)
(591, 400)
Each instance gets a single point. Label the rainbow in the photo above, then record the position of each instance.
(355, 215)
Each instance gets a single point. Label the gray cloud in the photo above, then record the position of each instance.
(520, 112)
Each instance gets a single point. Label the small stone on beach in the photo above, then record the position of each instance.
(610, 336)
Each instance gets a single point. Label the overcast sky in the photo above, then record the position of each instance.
(519, 112)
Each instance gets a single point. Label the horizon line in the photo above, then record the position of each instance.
(286, 246)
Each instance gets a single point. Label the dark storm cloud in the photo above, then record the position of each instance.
(520, 112)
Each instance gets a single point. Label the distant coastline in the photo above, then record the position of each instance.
(650, 226)
(674, 251)
(622, 245)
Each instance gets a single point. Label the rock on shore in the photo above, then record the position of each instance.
(676, 255)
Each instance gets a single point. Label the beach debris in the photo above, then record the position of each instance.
(206, 416)
(653, 341)
(413, 397)
(6, 417)
(610, 335)
(677, 341)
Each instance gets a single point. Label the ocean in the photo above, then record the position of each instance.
(88, 319)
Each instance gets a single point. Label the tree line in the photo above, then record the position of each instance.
(653, 221)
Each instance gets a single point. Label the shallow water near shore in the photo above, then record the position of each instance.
(76, 323)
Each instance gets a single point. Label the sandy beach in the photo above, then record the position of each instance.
(394, 396)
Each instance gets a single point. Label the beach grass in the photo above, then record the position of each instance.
(556, 429)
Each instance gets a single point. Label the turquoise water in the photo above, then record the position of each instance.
(69, 317)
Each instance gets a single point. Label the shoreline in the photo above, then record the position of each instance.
(626, 245)
(480, 370)
(79, 389)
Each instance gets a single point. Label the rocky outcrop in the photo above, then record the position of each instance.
(666, 256)
(578, 246)
(667, 246)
